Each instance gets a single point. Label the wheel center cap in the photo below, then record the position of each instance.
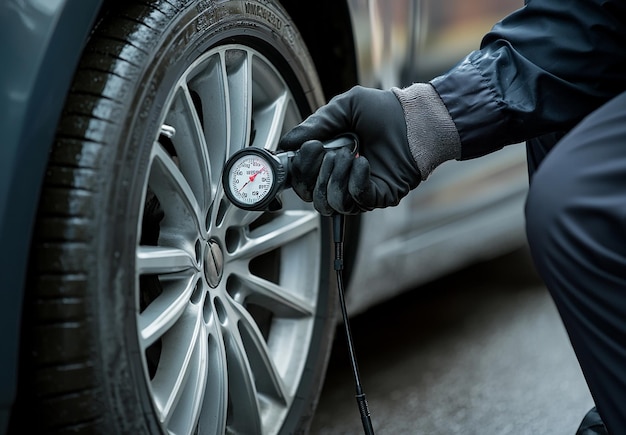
(213, 263)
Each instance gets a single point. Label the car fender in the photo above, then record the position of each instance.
(386, 37)
(41, 45)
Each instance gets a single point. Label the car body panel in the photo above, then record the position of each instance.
(386, 38)
(41, 44)
(465, 211)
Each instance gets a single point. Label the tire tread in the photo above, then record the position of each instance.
(64, 384)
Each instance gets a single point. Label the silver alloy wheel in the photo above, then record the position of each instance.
(226, 299)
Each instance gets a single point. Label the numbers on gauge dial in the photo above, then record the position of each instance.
(251, 179)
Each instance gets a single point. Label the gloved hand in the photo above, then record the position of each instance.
(385, 169)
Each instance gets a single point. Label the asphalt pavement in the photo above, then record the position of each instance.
(482, 351)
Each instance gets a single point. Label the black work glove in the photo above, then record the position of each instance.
(383, 172)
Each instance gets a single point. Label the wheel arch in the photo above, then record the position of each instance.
(327, 31)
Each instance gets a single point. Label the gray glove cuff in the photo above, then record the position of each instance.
(432, 135)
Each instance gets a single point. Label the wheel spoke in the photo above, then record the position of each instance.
(267, 379)
(212, 419)
(166, 309)
(285, 228)
(243, 218)
(190, 145)
(190, 396)
(209, 84)
(182, 211)
(245, 413)
(162, 260)
(238, 71)
(180, 361)
(269, 122)
(270, 110)
(275, 298)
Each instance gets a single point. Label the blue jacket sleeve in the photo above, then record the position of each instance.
(540, 70)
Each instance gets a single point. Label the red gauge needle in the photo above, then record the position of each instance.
(251, 178)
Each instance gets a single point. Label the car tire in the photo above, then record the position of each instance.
(153, 305)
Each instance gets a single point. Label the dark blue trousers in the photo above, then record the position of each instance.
(576, 227)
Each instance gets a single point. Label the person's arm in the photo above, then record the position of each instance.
(540, 70)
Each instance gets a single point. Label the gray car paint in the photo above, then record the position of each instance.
(41, 45)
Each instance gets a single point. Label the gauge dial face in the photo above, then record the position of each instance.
(250, 179)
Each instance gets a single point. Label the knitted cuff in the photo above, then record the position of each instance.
(432, 135)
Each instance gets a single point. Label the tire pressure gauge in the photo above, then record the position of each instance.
(253, 177)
